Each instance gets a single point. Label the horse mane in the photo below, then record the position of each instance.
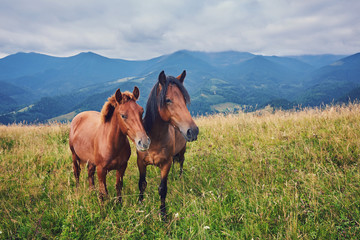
(152, 104)
(109, 106)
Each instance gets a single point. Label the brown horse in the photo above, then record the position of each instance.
(166, 111)
(99, 139)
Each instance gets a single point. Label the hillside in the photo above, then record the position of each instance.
(319, 61)
(332, 82)
(259, 175)
(238, 80)
(48, 76)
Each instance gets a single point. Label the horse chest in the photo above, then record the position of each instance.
(116, 163)
(158, 156)
(113, 158)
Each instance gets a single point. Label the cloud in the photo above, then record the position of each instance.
(144, 29)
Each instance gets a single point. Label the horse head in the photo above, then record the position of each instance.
(173, 99)
(123, 107)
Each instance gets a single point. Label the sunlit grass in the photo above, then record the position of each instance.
(261, 175)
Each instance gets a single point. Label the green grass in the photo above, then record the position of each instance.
(262, 175)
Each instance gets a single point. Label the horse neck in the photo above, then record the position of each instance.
(159, 129)
(115, 134)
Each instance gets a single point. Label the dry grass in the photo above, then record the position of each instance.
(261, 175)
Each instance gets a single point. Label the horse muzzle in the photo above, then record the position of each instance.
(191, 134)
(143, 144)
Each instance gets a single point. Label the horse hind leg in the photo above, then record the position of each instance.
(76, 168)
(91, 172)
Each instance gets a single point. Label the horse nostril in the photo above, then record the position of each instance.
(139, 143)
(189, 133)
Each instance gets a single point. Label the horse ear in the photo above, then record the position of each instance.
(162, 78)
(136, 93)
(181, 77)
(118, 95)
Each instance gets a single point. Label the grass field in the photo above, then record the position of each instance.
(262, 175)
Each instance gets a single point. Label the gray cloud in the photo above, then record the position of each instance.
(144, 29)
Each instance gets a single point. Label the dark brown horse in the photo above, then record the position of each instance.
(99, 139)
(166, 111)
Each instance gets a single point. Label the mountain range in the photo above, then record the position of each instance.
(39, 88)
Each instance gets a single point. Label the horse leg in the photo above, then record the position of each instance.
(119, 181)
(175, 159)
(163, 187)
(101, 172)
(181, 160)
(91, 172)
(76, 168)
(142, 180)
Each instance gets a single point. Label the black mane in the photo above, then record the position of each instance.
(152, 103)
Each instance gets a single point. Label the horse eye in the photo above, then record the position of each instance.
(168, 101)
(123, 116)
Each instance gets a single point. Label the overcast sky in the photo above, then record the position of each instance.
(145, 29)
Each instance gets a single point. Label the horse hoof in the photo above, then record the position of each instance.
(118, 202)
(141, 199)
(102, 196)
(163, 217)
(163, 213)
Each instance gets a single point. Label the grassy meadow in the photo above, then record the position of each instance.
(261, 175)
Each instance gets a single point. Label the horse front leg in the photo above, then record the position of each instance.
(119, 182)
(181, 160)
(163, 186)
(142, 180)
(101, 172)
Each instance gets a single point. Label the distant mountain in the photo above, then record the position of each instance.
(11, 97)
(222, 59)
(293, 64)
(6, 102)
(36, 87)
(48, 76)
(353, 95)
(318, 61)
(27, 64)
(332, 81)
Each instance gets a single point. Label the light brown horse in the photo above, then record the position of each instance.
(99, 139)
(166, 111)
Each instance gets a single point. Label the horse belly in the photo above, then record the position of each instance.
(85, 151)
